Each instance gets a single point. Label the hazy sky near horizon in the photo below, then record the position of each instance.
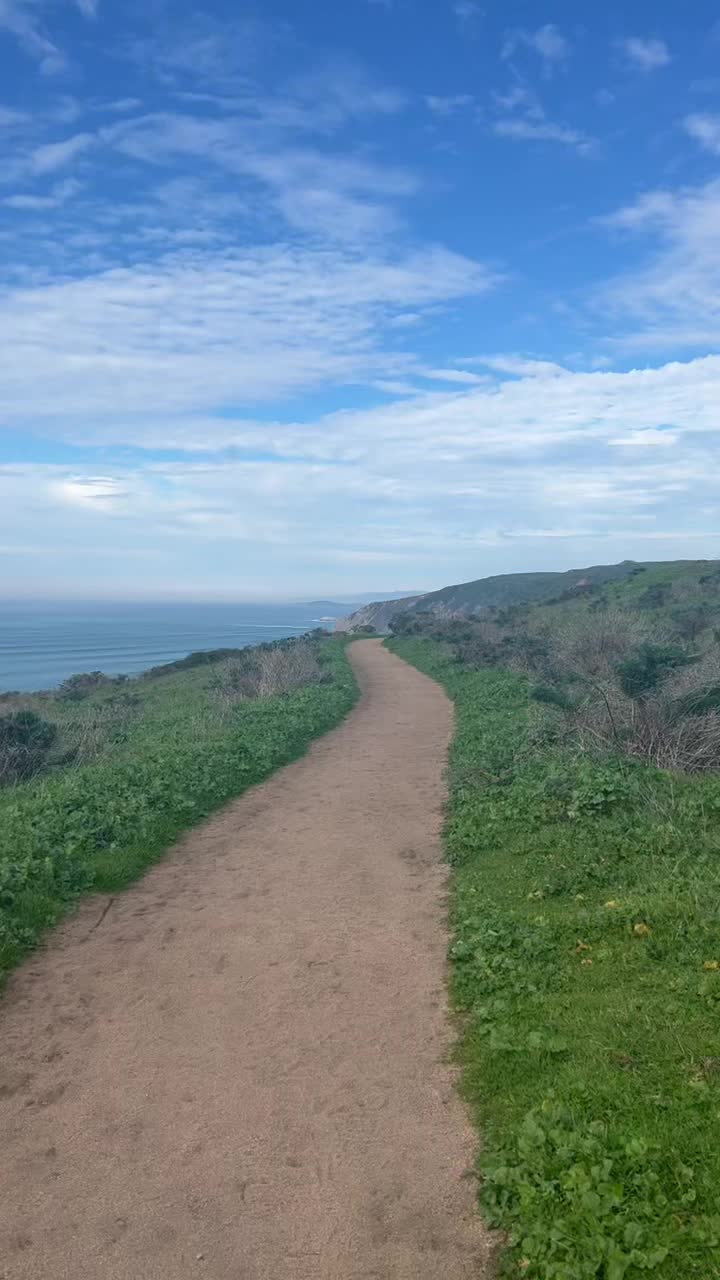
(302, 299)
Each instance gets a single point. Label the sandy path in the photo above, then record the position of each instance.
(238, 1072)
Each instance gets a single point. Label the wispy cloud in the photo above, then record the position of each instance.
(58, 196)
(523, 119)
(342, 196)
(202, 327)
(55, 155)
(466, 11)
(24, 20)
(547, 42)
(529, 130)
(644, 53)
(10, 118)
(676, 294)
(122, 105)
(204, 50)
(21, 19)
(449, 105)
(705, 129)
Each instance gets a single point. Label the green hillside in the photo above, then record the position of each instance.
(631, 578)
(523, 588)
(687, 578)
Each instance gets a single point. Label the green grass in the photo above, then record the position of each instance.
(97, 827)
(586, 965)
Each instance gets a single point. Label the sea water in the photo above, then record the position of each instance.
(42, 644)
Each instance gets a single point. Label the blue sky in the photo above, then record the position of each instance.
(301, 299)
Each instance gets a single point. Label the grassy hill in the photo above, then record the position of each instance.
(502, 590)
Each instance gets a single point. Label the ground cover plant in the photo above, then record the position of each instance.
(585, 964)
(123, 768)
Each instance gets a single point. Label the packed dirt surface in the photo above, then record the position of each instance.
(237, 1069)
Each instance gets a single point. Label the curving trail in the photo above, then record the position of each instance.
(237, 1072)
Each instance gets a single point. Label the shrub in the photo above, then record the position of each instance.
(25, 739)
(553, 696)
(593, 645)
(268, 671)
(698, 701)
(406, 624)
(644, 671)
(690, 621)
(82, 685)
(654, 597)
(199, 658)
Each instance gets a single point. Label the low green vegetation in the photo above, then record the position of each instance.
(585, 959)
(121, 768)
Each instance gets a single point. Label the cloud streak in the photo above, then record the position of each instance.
(236, 326)
(548, 42)
(676, 294)
(644, 53)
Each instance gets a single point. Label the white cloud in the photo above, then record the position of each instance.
(9, 117)
(644, 53)
(520, 97)
(200, 328)
(467, 10)
(338, 91)
(447, 106)
(648, 437)
(541, 456)
(55, 155)
(547, 41)
(205, 51)
(339, 195)
(23, 19)
(676, 294)
(20, 18)
(86, 491)
(59, 195)
(705, 129)
(524, 120)
(530, 130)
(121, 105)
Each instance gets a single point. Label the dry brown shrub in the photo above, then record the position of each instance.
(266, 673)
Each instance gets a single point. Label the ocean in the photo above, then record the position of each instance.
(41, 644)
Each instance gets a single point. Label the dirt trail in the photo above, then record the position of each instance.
(238, 1072)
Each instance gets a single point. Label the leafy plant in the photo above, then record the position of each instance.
(553, 696)
(83, 684)
(644, 671)
(581, 1202)
(25, 739)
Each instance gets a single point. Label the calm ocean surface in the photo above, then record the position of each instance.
(42, 644)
